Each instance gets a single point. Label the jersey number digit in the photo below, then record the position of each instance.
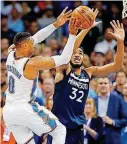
(74, 95)
(11, 84)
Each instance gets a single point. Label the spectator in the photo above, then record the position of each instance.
(47, 51)
(124, 21)
(38, 49)
(14, 21)
(112, 109)
(93, 88)
(4, 48)
(3, 64)
(120, 80)
(47, 19)
(99, 59)
(33, 27)
(62, 44)
(107, 44)
(3, 95)
(5, 32)
(25, 8)
(124, 92)
(115, 12)
(48, 87)
(54, 46)
(86, 61)
(93, 129)
(4, 43)
(49, 103)
(125, 63)
(6, 10)
(124, 130)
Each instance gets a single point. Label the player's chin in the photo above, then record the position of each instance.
(76, 65)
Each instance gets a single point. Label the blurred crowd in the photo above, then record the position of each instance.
(99, 47)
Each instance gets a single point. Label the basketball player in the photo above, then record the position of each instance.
(72, 85)
(21, 114)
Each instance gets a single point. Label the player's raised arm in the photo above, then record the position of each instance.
(119, 35)
(45, 32)
(79, 38)
(83, 33)
(39, 63)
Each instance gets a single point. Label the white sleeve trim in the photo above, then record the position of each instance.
(65, 57)
(43, 33)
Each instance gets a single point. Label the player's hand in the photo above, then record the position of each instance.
(95, 13)
(73, 28)
(119, 33)
(107, 120)
(63, 17)
(11, 48)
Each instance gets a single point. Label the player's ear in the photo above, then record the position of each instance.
(25, 46)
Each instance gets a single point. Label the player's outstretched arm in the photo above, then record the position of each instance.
(119, 35)
(39, 63)
(83, 33)
(45, 32)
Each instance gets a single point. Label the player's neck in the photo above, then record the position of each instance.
(18, 55)
(88, 115)
(77, 71)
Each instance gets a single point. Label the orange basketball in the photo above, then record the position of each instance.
(84, 15)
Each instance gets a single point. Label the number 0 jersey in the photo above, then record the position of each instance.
(69, 99)
(19, 88)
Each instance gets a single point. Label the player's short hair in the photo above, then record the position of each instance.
(19, 37)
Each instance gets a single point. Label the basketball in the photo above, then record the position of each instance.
(84, 15)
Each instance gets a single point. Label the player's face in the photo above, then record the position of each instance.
(28, 47)
(103, 86)
(125, 89)
(77, 58)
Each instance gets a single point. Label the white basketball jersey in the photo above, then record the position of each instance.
(19, 88)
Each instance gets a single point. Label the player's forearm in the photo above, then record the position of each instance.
(43, 33)
(65, 57)
(79, 38)
(118, 61)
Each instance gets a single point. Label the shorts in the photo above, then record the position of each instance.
(74, 136)
(25, 119)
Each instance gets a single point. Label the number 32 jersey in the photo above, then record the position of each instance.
(70, 98)
(19, 88)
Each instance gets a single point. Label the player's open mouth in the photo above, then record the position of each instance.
(77, 60)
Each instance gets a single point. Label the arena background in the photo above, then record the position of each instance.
(31, 16)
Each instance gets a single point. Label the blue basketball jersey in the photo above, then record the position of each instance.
(69, 99)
